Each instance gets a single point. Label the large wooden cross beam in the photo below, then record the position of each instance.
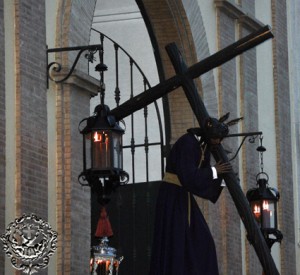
(185, 78)
(254, 233)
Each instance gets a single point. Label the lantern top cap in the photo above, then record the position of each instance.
(262, 192)
(101, 120)
(101, 109)
(262, 177)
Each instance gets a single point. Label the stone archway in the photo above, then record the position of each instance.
(167, 22)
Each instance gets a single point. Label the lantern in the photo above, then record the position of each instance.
(102, 153)
(263, 202)
(104, 260)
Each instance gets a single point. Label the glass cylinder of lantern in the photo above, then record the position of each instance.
(263, 201)
(264, 212)
(101, 155)
(106, 150)
(104, 260)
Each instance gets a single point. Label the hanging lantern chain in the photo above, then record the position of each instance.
(101, 68)
(261, 149)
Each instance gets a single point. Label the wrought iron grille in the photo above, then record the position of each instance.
(143, 141)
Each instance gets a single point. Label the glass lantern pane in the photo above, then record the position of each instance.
(88, 148)
(100, 150)
(117, 151)
(256, 210)
(268, 214)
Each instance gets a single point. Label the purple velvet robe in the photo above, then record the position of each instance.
(181, 247)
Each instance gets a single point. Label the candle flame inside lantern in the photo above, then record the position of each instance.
(100, 137)
(265, 205)
(256, 209)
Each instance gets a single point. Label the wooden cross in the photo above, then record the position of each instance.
(185, 78)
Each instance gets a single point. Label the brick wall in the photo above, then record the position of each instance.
(2, 135)
(227, 82)
(30, 119)
(73, 201)
(248, 6)
(31, 116)
(81, 203)
(239, 96)
(207, 89)
(283, 139)
(249, 110)
(72, 105)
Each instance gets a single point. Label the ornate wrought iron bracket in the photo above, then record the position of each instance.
(56, 66)
(252, 136)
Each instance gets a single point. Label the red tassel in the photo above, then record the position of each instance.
(103, 227)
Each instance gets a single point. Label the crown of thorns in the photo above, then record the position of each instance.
(215, 128)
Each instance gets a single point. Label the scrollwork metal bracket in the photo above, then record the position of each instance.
(252, 136)
(56, 66)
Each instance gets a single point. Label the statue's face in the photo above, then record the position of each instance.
(215, 130)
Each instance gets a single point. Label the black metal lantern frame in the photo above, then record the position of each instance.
(102, 154)
(102, 146)
(263, 201)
